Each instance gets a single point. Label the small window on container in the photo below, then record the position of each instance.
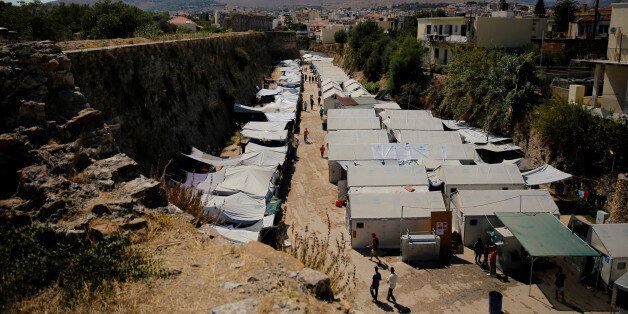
(359, 225)
(473, 222)
(621, 265)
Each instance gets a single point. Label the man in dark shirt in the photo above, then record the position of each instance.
(377, 277)
(374, 246)
(559, 284)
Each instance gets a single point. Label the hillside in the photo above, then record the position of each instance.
(159, 5)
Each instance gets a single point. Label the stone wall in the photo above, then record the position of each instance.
(161, 98)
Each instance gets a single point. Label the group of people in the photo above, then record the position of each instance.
(392, 284)
(489, 252)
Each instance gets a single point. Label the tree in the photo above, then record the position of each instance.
(340, 37)
(503, 5)
(539, 8)
(490, 88)
(564, 12)
(405, 65)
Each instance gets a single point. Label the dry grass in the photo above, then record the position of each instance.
(100, 43)
(321, 254)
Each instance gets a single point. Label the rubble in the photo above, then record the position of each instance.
(316, 282)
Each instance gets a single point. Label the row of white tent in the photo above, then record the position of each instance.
(237, 194)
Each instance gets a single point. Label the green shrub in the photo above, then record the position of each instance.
(583, 140)
(372, 87)
(34, 258)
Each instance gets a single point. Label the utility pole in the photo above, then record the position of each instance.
(596, 18)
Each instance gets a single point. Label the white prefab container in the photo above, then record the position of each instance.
(384, 176)
(420, 247)
(390, 216)
(353, 123)
(356, 136)
(428, 137)
(397, 123)
(480, 177)
(474, 210)
(352, 113)
(612, 241)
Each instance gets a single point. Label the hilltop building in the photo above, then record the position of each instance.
(242, 22)
(184, 22)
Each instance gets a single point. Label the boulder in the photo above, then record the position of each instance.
(116, 169)
(241, 307)
(316, 282)
(86, 119)
(135, 224)
(15, 203)
(148, 191)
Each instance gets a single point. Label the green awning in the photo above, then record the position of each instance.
(542, 234)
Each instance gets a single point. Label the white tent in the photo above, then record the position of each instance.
(237, 235)
(479, 136)
(428, 137)
(356, 136)
(280, 116)
(255, 181)
(237, 208)
(252, 147)
(269, 92)
(544, 174)
(353, 123)
(209, 159)
(193, 179)
(211, 182)
(265, 126)
(266, 130)
(263, 158)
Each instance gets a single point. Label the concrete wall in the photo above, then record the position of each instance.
(619, 21)
(502, 32)
(160, 98)
(328, 32)
(615, 87)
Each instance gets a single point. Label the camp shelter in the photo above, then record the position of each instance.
(353, 123)
(337, 100)
(543, 235)
(612, 241)
(388, 105)
(238, 208)
(389, 216)
(255, 181)
(410, 114)
(253, 147)
(544, 174)
(473, 211)
(480, 177)
(428, 137)
(385, 176)
(619, 299)
(356, 137)
(265, 131)
(358, 113)
(397, 123)
(263, 158)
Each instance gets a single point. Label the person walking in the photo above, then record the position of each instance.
(321, 111)
(377, 277)
(306, 134)
(485, 252)
(319, 101)
(322, 149)
(492, 262)
(392, 283)
(559, 285)
(374, 247)
(478, 249)
(312, 104)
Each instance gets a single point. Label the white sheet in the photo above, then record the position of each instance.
(544, 174)
(237, 208)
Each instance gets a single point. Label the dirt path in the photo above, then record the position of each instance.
(461, 287)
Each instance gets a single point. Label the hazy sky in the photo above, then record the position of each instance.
(16, 1)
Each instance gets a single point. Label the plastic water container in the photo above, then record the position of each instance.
(494, 302)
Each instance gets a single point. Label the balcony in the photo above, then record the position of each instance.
(436, 38)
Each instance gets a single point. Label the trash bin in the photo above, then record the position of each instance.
(324, 125)
(494, 302)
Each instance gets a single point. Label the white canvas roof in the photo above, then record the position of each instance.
(489, 202)
(254, 181)
(237, 235)
(412, 175)
(478, 136)
(266, 135)
(353, 123)
(269, 92)
(480, 174)
(237, 208)
(263, 158)
(359, 113)
(498, 148)
(359, 93)
(389, 205)
(333, 93)
(280, 116)
(408, 123)
(211, 182)
(252, 147)
(613, 238)
(402, 152)
(265, 126)
(209, 159)
(428, 137)
(544, 174)
(356, 136)
(388, 189)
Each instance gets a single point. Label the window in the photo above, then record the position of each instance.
(440, 29)
(456, 29)
(463, 30)
(473, 222)
(621, 265)
(603, 29)
(453, 190)
(504, 189)
(436, 53)
(429, 29)
(359, 225)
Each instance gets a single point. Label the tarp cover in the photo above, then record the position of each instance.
(212, 181)
(613, 238)
(544, 174)
(263, 158)
(252, 180)
(542, 234)
(281, 135)
(265, 126)
(279, 116)
(269, 92)
(237, 208)
(237, 235)
(252, 147)
(193, 179)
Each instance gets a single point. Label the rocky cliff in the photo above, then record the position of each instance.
(160, 98)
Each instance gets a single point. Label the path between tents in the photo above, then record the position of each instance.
(461, 287)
